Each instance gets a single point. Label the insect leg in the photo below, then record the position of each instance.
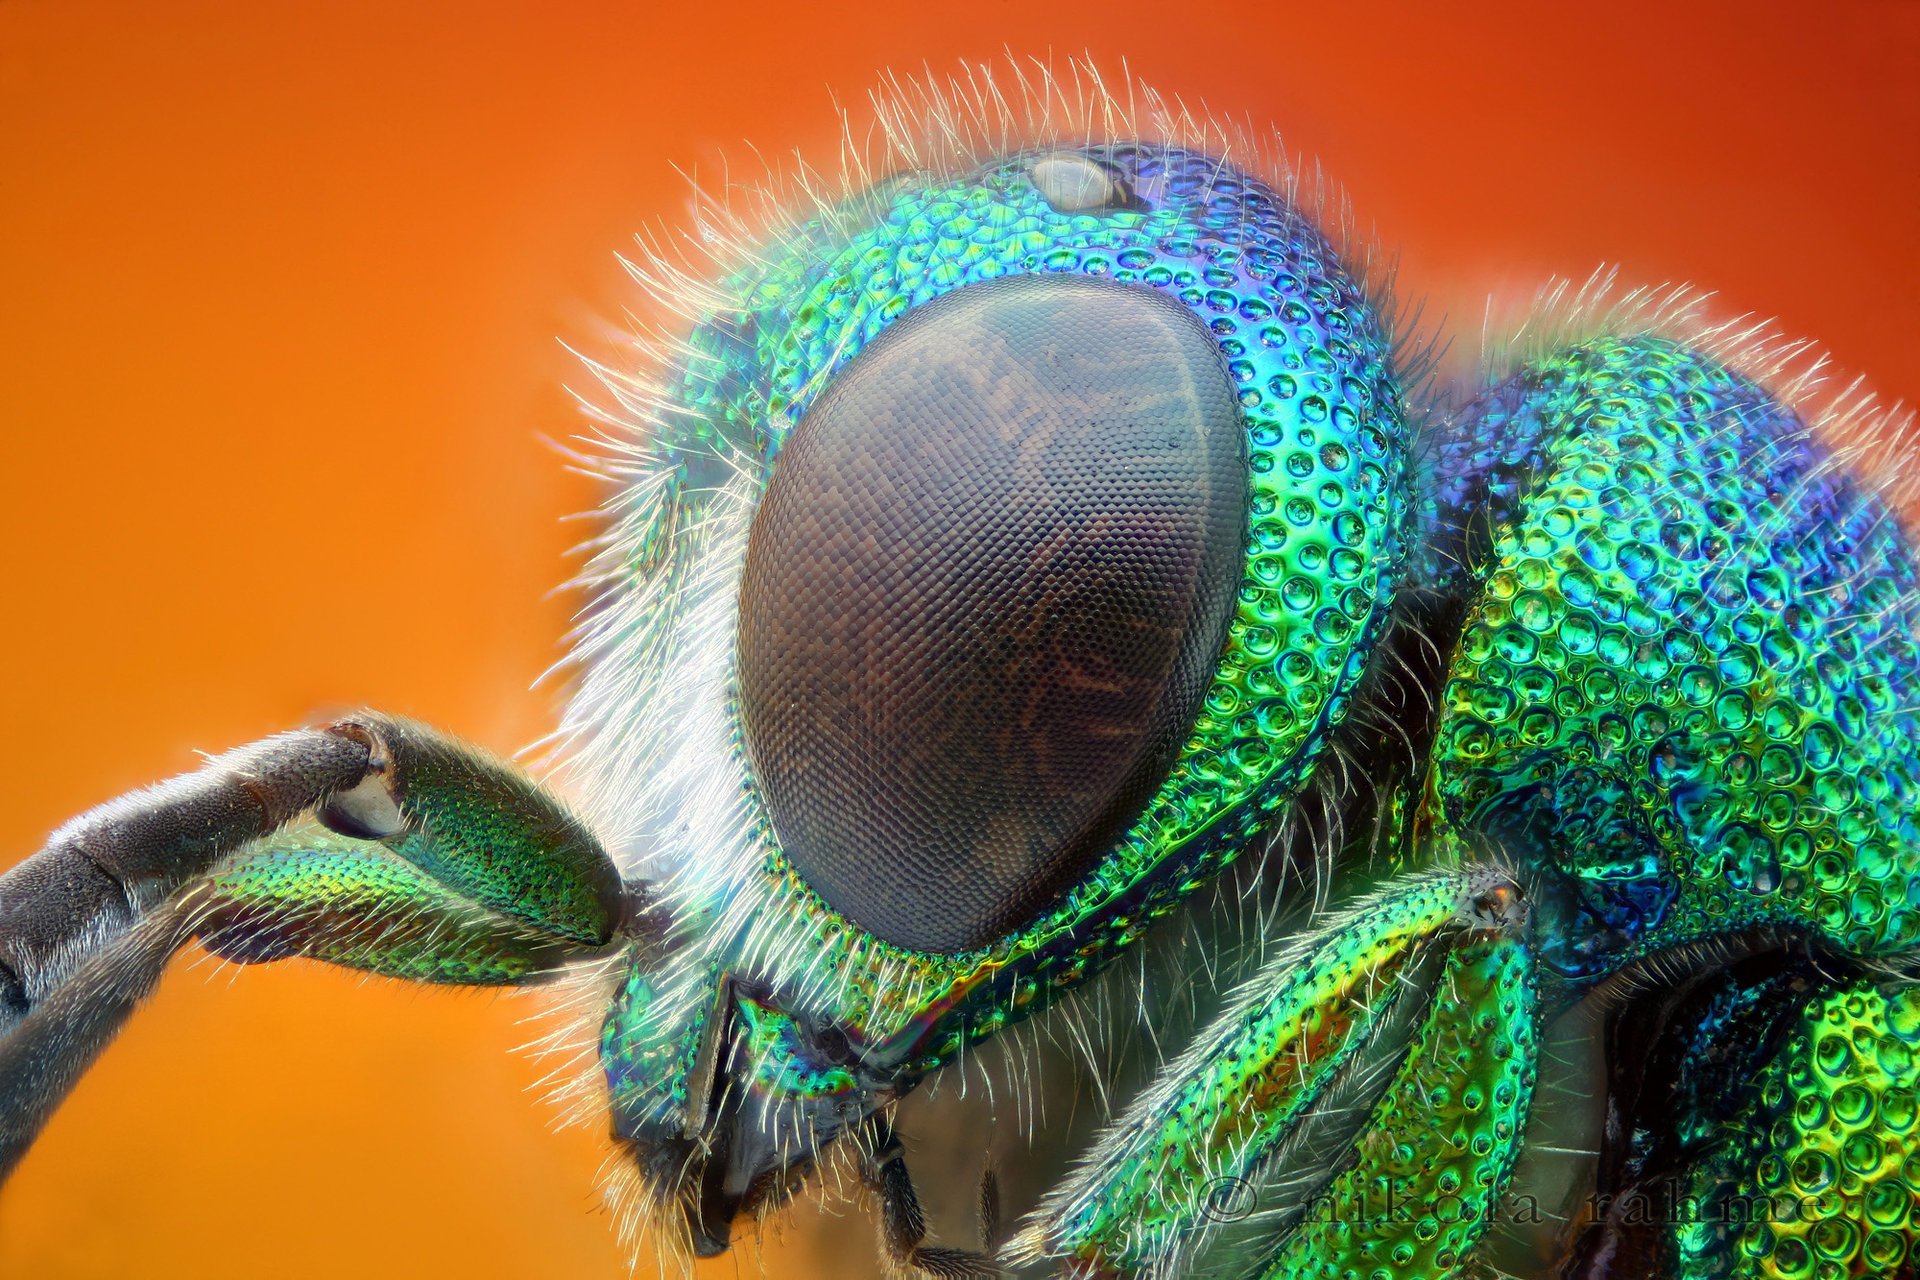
(1266, 1120)
(903, 1224)
(1427, 1173)
(987, 1198)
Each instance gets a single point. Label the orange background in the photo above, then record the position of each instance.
(279, 292)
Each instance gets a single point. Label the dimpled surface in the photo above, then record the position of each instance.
(1438, 1148)
(1325, 435)
(1688, 673)
(1326, 446)
(490, 833)
(353, 903)
(1819, 1179)
(1217, 1116)
(984, 592)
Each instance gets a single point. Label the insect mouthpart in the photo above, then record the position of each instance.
(773, 1090)
(1022, 533)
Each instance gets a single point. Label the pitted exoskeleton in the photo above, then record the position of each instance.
(1003, 549)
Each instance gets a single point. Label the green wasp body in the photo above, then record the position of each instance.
(999, 552)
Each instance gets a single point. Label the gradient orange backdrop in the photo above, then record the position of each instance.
(279, 292)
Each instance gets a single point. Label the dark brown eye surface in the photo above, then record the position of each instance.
(984, 593)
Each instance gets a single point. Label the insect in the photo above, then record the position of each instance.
(1005, 548)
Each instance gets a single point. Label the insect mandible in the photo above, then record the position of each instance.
(1005, 546)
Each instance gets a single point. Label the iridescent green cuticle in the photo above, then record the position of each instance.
(781, 1061)
(1255, 1073)
(1327, 440)
(353, 903)
(1691, 663)
(651, 1038)
(491, 834)
(1819, 1176)
(1441, 1144)
(1681, 701)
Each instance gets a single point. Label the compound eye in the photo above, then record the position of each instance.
(984, 594)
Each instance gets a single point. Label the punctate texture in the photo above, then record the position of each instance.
(1691, 673)
(984, 593)
(1819, 1174)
